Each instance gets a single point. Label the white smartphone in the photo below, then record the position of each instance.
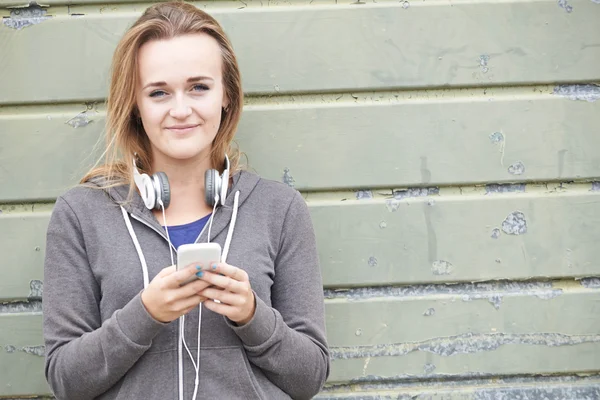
(204, 254)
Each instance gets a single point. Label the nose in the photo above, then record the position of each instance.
(180, 109)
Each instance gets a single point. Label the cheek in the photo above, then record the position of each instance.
(151, 115)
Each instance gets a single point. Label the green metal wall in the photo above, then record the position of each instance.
(449, 151)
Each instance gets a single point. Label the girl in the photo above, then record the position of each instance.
(113, 307)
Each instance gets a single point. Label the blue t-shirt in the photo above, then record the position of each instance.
(187, 233)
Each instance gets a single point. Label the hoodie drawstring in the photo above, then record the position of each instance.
(142, 259)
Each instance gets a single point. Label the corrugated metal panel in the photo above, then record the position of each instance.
(435, 142)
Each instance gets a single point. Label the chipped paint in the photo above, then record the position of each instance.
(405, 4)
(497, 137)
(590, 283)
(442, 267)
(483, 63)
(36, 289)
(392, 205)
(517, 168)
(494, 299)
(583, 92)
(429, 312)
(372, 261)
(415, 192)
(565, 5)
(33, 306)
(595, 186)
(428, 369)
(504, 188)
(468, 343)
(364, 194)
(515, 224)
(23, 17)
(465, 386)
(495, 233)
(80, 120)
(401, 194)
(596, 1)
(465, 291)
(448, 390)
(39, 351)
(287, 178)
(383, 224)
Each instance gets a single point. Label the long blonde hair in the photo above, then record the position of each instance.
(124, 132)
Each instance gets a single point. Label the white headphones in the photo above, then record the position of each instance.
(155, 190)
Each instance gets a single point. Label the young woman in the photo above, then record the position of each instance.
(113, 299)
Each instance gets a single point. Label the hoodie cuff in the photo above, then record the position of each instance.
(137, 323)
(260, 328)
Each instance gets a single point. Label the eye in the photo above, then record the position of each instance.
(200, 87)
(158, 93)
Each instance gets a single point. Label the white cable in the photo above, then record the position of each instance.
(180, 360)
(138, 248)
(197, 381)
(231, 227)
(211, 217)
(167, 231)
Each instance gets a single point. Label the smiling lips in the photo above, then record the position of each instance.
(182, 128)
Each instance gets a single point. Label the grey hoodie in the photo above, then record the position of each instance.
(102, 343)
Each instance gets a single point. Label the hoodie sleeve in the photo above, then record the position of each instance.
(85, 356)
(288, 341)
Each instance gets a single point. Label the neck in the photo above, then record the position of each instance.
(186, 182)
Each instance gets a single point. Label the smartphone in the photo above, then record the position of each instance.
(204, 254)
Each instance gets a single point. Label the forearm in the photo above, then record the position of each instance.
(87, 366)
(294, 360)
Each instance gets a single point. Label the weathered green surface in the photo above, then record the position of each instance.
(436, 96)
(450, 238)
(525, 388)
(464, 336)
(348, 47)
(441, 238)
(33, 167)
(21, 355)
(379, 141)
(22, 245)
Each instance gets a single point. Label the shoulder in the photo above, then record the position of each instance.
(85, 199)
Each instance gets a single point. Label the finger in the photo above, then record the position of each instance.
(192, 288)
(179, 277)
(225, 282)
(235, 273)
(221, 308)
(223, 296)
(189, 302)
(166, 271)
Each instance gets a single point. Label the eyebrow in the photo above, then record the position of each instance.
(190, 80)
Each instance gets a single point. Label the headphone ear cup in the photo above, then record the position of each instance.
(164, 191)
(210, 186)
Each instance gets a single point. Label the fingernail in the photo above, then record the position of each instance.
(199, 274)
(214, 266)
(198, 267)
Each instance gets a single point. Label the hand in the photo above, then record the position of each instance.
(166, 300)
(231, 286)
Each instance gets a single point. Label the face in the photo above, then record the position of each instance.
(180, 95)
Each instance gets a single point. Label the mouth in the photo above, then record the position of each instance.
(182, 128)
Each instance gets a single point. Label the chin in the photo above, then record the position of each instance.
(185, 152)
